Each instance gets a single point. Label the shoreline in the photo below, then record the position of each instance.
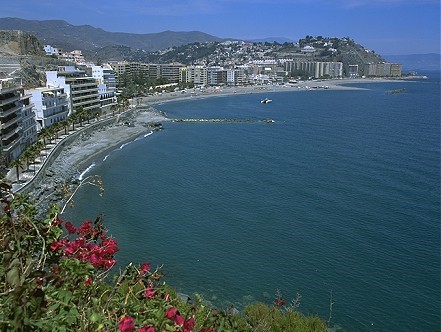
(332, 85)
(90, 146)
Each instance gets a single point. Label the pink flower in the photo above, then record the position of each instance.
(146, 329)
(70, 227)
(85, 228)
(56, 245)
(150, 292)
(173, 314)
(189, 325)
(179, 320)
(127, 324)
(145, 267)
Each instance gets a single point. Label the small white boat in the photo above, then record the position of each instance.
(265, 101)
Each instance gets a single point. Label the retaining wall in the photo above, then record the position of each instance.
(41, 173)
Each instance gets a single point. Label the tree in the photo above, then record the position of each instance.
(65, 125)
(72, 120)
(18, 164)
(40, 147)
(43, 134)
(81, 115)
(27, 156)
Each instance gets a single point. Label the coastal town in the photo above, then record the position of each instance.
(202, 166)
(77, 91)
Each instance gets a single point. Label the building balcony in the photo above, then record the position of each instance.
(9, 100)
(11, 122)
(56, 115)
(95, 107)
(26, 107)
(82, 101)
(11, 145)
(12, 110)
(83, 94)
(7, 135)
(91, 103)
(27, 96)
(54, 107)
(75, 85)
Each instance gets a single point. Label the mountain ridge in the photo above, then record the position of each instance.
(66, 36)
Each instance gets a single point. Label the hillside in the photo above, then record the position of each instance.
(19, 43)
(89, 39)
(22, 55)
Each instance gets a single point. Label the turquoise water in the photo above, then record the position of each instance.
(341, 194)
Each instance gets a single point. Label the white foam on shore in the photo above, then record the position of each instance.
(108, 155)
(81, 177)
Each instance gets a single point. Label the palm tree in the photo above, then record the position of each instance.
(51, 133)
(65, 125)
(56, 128)
(17, 163)
(27, 156)
(72, 119)
(40, 147)
(43, 134)
(35, 153)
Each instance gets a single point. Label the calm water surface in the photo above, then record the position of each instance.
(341, 194)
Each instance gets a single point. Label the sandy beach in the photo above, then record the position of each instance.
(98, 139)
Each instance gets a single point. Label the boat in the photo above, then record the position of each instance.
(265, 101)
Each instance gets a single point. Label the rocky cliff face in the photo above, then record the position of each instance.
(16, 42)
(22, 55)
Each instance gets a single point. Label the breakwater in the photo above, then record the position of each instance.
(224, 120)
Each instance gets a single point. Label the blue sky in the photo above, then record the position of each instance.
(388, 27)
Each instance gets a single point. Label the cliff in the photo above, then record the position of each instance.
(16, 42)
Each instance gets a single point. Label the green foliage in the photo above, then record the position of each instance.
(263, 318)
(56, 277)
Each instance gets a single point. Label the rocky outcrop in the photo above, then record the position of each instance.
(16, 42)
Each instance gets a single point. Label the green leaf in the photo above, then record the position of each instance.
(13, 276)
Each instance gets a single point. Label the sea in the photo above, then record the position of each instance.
(338, 200)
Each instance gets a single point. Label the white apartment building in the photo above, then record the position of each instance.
(81, 90)
(52, 50)
(50, 106)
(106, 80)
(235, 76)
(73, 56)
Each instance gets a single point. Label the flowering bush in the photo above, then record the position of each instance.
(54, 276)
